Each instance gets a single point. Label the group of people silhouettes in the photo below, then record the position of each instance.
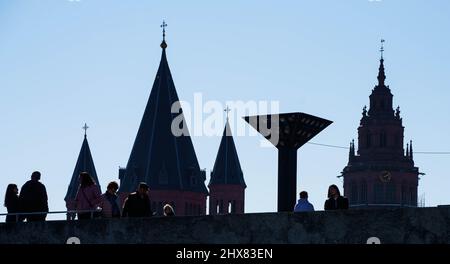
(32, 199)
(32, 203)
(335, 201)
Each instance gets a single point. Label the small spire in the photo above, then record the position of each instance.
(352, 149)
(163, 43)
(85, 127)
(407, 150)
(410, 150)
(381, 75)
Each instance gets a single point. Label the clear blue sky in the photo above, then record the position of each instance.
(63, 63)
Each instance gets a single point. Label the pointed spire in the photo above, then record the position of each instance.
(163, 43)
(351, 153)
(227, 168)
(410, 150)
(163, 145)
(381, 75)
(85, 163)
(407, 150)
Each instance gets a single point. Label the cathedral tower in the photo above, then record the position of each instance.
(381, 173)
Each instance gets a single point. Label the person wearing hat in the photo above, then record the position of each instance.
(138, 203)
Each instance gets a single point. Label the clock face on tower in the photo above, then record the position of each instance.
(385, 176)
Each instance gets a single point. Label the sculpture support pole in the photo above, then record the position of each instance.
(294, 130)
(287, 179)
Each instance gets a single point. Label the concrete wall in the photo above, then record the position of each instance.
(409, 225)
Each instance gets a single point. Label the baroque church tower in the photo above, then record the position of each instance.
(381, 173)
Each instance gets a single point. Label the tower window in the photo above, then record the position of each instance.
(378, 193)
(368, 140)
(412, 197)
(363, 192)
(404, 195)
(390, 193)
(353, 193)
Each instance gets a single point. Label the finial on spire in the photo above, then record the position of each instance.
(227, 110)
(163, 43)
(410, 150)
(381, 75)
(85, 127)
(382, 48)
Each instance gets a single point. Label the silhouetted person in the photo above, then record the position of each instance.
(168, 210)
(303, 205)
(12, 203)
(110, 202)
(88, 196)
(138, 203)
(335, 200)
(33, 198)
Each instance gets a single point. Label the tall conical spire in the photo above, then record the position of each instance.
(227, 168)
(85, 163)
(163, 155)
(381, 75)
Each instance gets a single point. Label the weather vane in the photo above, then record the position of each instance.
(85, 127)
(382, 48)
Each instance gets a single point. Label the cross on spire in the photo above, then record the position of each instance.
(85, 127)
(164, 25)
(163, 43)
(382, 48)
(227, 110)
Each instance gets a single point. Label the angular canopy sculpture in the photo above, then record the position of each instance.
(287, 132)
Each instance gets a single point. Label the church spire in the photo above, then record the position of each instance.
(85, 163)
(163, 155)
(381, 75)
(227, 168)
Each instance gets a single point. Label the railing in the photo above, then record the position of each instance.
(70, 213)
